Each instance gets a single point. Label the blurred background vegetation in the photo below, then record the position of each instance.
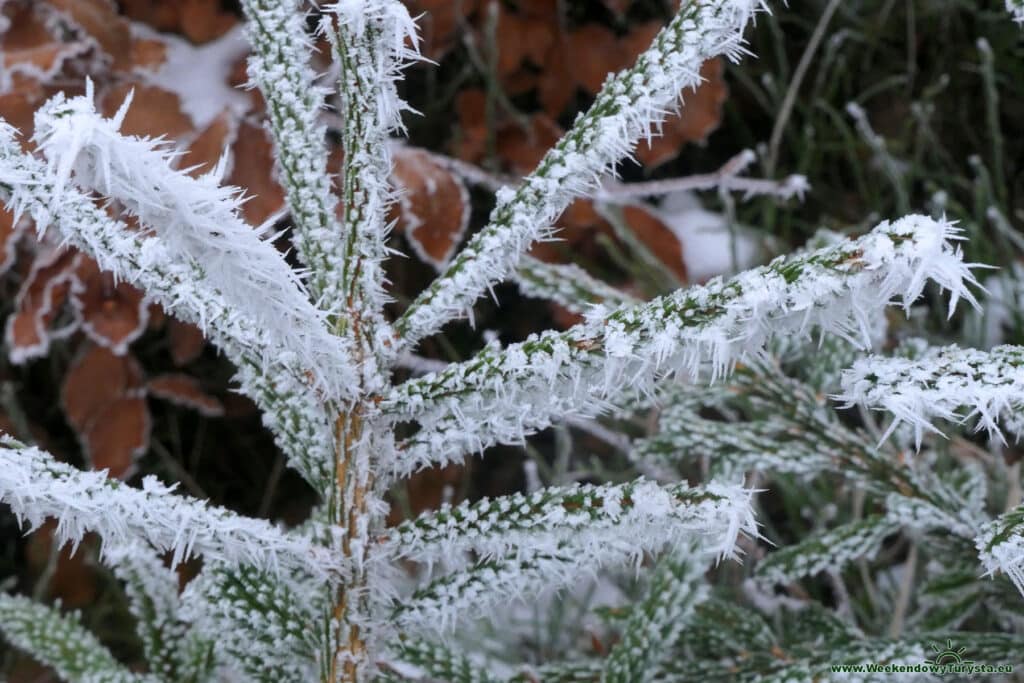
(936, 127)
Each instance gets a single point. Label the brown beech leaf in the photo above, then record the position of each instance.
(657, 237)
(113, 314)
(428, 489)
(185, 390)
(154, 111)
(522, 150)
(148, 54)
(253, 171)
(39, 301)
(211, 144)
(96, 379)
(119, 434)
(73, 581)
(596, 52)
(10, 232)
(29, 48)
(700, 115)
(439, 23)
(433, 207)
(100, 21)
(199, 20)
(185, 340)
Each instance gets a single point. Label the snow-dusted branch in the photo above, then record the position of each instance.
(502, 395)
(1016, 10)
(371, 41)
(62, 643)
(267, 373)
(947, 383)
(36, 487)
(828, 550)
(567, 285)
(279, 66)
(197, 221)
(726, 178)
(1001, 546)
(640, 515)
(658, 620)
(629, 104)
(547, 540)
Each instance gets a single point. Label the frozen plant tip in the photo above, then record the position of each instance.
(940, 384)
(501, 396)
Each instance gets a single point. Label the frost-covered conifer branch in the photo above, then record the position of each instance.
(658, 620)
(258, 621)
(279, 66)
(640, 514)
(543, 545)
(567, 285)
(419, 659)
(500, 396)
(623, 112)
(371, 41)
(1001, 546)
(939, 384)
(267, 373)
(1016, 10)
(829, 550)
(198, 221)
(173, 651)
(36, 487)
(61, 643)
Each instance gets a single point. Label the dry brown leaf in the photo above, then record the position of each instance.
(113, 314)
(199, 20)
(185, 340)
(433, 208)
(185, 390)
(99, 20)
(522, 150)
(154, 111)
(212, 143)
(96, 379)
(10, 232)
(148, 54)
(439, 23)
(119, 434)
(73, 581)
(596, 52)
(39, 301)
(700, 115)
(657, 237)
(253, 170)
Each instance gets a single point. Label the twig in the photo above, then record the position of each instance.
(903, 597)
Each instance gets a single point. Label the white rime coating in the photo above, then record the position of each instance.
(1001, 546)
(948, 383)
(624, 112)
(267, 373)
(36, 487)
(567, 285)
(279, 66)
(501, 396)
(1016, 10)
(197, 219)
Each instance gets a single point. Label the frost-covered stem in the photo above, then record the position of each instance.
(622, 113)
(36, 486)
(656, 623)
(501, 395)
(279, 66)
(725, 178)
(567, 285)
